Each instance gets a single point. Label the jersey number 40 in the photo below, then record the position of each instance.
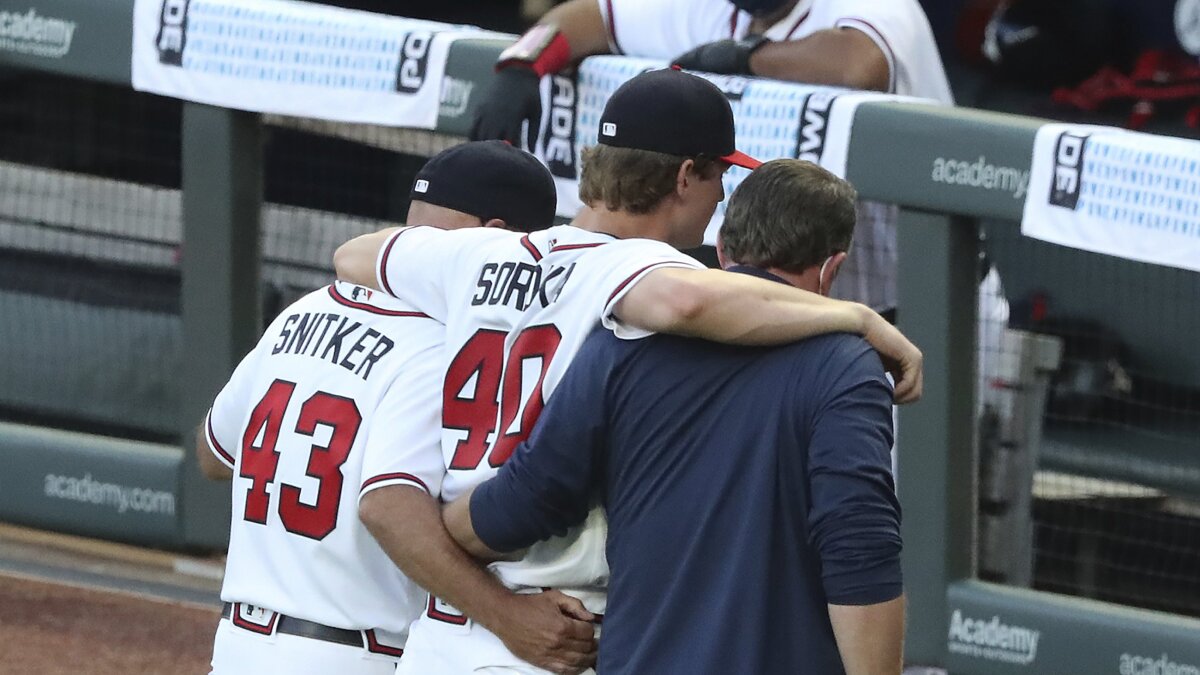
(260, 460)
(482, 359)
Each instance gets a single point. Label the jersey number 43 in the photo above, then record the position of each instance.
(260, 458)
(482, 359)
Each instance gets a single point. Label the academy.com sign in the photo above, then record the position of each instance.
(992, 640)
(121, 498)
(1132, 664)
(981, 174)
(30, 33)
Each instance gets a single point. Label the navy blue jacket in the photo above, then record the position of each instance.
(745, 488)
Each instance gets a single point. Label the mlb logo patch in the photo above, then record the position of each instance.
(608, 129)
(422, 186)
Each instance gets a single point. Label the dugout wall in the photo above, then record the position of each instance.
(152, 493)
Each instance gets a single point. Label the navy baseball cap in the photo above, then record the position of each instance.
(675, 113)
(489, 179)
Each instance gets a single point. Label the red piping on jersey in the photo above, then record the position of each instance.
(733, 23)
(387, 251)
(891, 54)
(533, 251)
(572, 247)
(635, 275)
(333, 293)
(212, 439)
(374, 645)
(802, 19)
(612, 28)
(399, 475)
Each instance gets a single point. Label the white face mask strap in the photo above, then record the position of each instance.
(821, 277)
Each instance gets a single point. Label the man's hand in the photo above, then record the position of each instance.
(724, 57)
(512, 97)
(901, 357)
(550, 630)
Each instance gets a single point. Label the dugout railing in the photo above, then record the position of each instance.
(955, 620)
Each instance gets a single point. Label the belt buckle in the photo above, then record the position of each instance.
(440, 610)
(254, 619)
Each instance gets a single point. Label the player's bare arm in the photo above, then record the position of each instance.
(738, 309)
(354, 261)
(457, 517)
(210, 466)
(870, 638)
(582, 25)
(843, 57)
(550, 630)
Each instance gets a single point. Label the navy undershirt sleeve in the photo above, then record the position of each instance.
(548, 485)
(854, 522)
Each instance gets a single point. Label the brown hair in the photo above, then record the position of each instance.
(627, 179)
(790, 214)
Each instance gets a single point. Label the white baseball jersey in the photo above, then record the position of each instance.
(516, 308)
(340, 396)
(665, 29)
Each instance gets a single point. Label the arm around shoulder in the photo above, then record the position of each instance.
(739, 309)
(733, 308)
(355, 260)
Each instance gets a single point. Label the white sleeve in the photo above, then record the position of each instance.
(664, 29)
(404, 433)
(224, 421)
(412, 266)
(901, 31)
(623, 265)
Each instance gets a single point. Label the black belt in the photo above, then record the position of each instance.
(299, 627)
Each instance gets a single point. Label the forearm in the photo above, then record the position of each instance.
(210, 466)
(734, 309)
(581, 23)
(354, 261)
(842, 57)
(457, 518)
(870, 638)
(407, 523)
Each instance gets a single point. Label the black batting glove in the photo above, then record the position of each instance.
(724, 57)
(512, 97)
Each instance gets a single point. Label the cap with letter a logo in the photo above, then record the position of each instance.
(675, 113)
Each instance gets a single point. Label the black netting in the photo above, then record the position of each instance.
(90, 233)
(1114, 484)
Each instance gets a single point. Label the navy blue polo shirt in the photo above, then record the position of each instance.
(745, 488)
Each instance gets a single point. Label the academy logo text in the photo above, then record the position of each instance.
(980, 174)
(29, 33)
(1132, 664)
(992, 640)
(123, 498)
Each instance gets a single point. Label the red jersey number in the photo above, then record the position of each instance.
(475, 410)
(259, 462)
